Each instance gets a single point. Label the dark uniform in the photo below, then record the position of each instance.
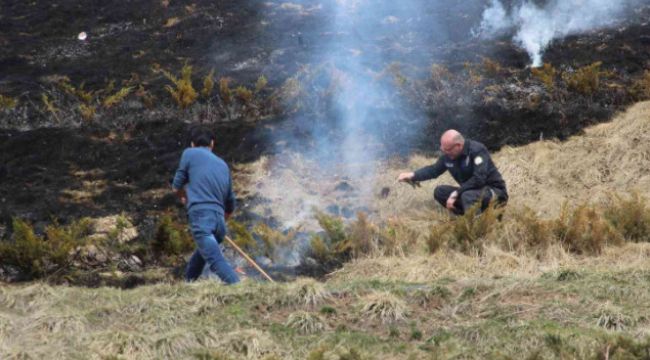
(474, 170)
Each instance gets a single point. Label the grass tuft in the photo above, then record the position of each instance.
(305, 323)
(383, 306)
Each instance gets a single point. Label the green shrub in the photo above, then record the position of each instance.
(585, 80)
(38, 255)
(469, 232)
(333, 227)
(241, 236)
(171, 238)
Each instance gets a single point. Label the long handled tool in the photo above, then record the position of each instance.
(250, 261)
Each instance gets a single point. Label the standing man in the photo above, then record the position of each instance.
(203, 184)
(470, 165)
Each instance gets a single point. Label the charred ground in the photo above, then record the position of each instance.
(55, 163)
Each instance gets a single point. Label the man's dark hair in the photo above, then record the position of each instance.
(201, 136)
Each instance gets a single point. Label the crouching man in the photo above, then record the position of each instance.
(470, 165)
(203, 184)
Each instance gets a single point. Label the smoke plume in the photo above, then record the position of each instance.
(536, 26)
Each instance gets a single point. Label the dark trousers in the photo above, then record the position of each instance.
(468, 198)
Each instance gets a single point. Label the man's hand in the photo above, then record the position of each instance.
(452, 199)
(182, 196)
(406, 177)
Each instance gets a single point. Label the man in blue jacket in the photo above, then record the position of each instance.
(203, 184)
(470, 164)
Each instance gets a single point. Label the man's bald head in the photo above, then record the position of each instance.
(451, 143)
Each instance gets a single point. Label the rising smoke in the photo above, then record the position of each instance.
(537, 25)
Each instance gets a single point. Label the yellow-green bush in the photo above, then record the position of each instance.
(546, 74)
(585, 80)
(270, 237)
(7, 102)
(241, 236)
(208, 84)
(584, 230)
(491, 68)
(37, 255)
(261, 83)
(333, 226)
(117, 98)
(630, 217)
(244, 94)
(182, 92)
(87, 111)
(531, 231)
(469, 232)
(640, 90)
(171, 237)
(224, 90)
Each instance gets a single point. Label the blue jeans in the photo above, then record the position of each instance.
(208, 230)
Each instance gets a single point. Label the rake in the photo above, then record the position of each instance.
(248, 258)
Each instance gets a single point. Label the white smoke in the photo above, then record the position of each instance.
(537, 26)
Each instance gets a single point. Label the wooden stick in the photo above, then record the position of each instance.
(250, 261)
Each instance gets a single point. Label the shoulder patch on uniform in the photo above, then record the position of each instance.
(478, 160)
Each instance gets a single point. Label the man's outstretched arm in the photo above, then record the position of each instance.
(181, 178)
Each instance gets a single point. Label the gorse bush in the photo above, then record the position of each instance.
(7, 102)
(341, 242)
(491, 68)
(584, 230)
(531, 231)
(171, 237)
(467, 233)
(36, 255)
(208, 85)
(546, 74)
(585, 80)
(630, 217)
(182, 92)
(241, 236)
(640, 90)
